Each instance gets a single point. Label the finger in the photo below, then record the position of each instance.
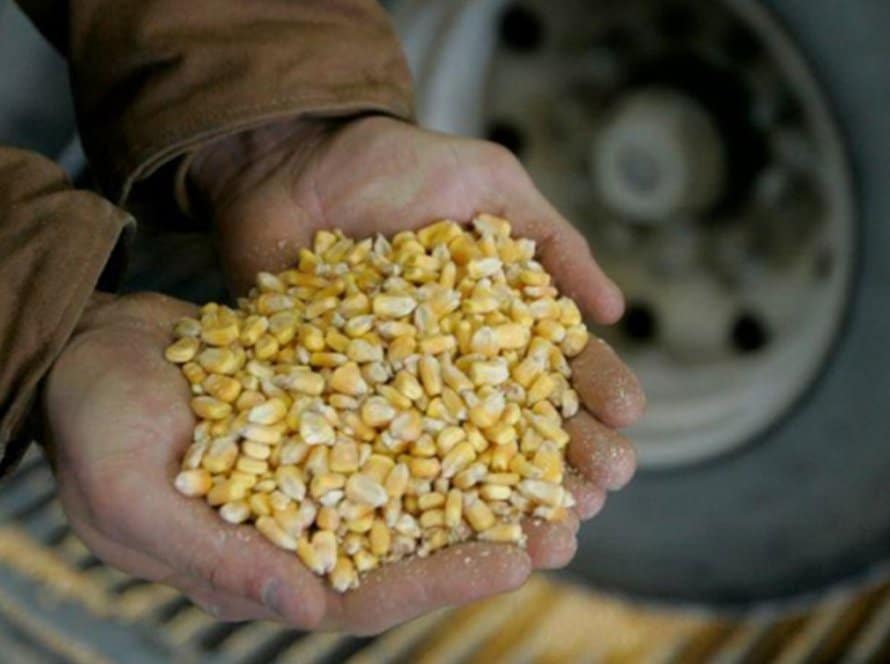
(190, 538)
(589, 499)
(451, 577)
(564, 252)
(603, 456)
(551, 545)
(220, 605)
(150, 313)
(238, 561)
(607, 386)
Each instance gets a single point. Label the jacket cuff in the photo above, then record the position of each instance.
(55, 243)
(158, 79)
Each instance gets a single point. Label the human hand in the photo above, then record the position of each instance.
(271, 189)
(118, 422)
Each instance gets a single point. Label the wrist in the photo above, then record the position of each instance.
(237, 163)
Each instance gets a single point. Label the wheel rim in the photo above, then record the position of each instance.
(737, 270)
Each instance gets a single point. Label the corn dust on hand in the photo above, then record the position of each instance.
(385, 398)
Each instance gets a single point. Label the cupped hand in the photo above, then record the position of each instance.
(269, 191)
(117, 425)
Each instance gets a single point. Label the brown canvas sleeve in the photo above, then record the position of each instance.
(155, 79)
(54, 244)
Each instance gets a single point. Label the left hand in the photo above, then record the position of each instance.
(269, 190)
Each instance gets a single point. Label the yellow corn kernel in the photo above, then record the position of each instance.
(325, 483)
(248, 399)
(400, 349)
(429, 501)
(343, 575)
(320, 306)
(506, 533)
(362, 524)
(393, 306)
(424, 446)
(441, 232)
(480, 268)
(182, 350)
(453, 508)
(259, 505)
(504, 479)
(487, 412)
(193, 373)
(336, 341)
(226, 492)
(397, 480)
(477, 513)
(378, 467)
(490, 225)
(501, 456)
(471, 476)
(266, 347)
(252, 329)
(343, 457)
(235, 512)
(291, 482)
(366, 490)
(526, 371)
(272, 531)
(495, 492)
(251, 466)
(435, 345)
(461, 456)
(548, 429)
(407, 384)
(327, 518)
(424, 468)
(218, 360)
(196, 482)
(220, 456)
(406, 426)
(541, 491)
(542, 387)
(210, 408)
(489, 372)
(501, 434)
(271, 411)
(311, 338)
(430, 375)
(283, 326)
(549, 460)
(348, 380)
(315, 429)
(380, 538)
(575, 340)
(362, 351)
(187, 327)
(365, 561)
(432, 518)
(220, 334)
(255, 450)
(224, 388)
(377, 412)
(448, 438)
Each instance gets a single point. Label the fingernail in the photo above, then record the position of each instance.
(271, 596)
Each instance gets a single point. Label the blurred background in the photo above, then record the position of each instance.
(728, 162)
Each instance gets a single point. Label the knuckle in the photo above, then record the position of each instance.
(499, 155)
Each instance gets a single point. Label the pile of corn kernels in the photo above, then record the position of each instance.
(384, 399)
